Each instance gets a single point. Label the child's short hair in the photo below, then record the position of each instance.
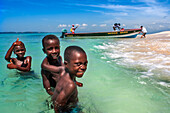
(69, 50)
(47, 37)
(21, 44)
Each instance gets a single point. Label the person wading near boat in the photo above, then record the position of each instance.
(73, 29)
(144, 31)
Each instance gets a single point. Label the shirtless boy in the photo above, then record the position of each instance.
(20, 63)
(52, 65)
(65, 96)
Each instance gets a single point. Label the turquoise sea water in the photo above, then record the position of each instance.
(120, 78)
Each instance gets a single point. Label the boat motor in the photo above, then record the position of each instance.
(63, 32)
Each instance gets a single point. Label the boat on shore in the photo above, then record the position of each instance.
(127, 33)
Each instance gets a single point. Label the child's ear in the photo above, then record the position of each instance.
(65, 63)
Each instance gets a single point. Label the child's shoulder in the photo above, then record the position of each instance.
(60, 56)
(69, 80)
(28, 57)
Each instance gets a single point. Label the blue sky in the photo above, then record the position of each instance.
(91, 15)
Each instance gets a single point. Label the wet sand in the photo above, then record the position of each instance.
(151, 53)
(157, 49)
(158, 42)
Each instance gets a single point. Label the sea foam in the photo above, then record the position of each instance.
(153, 55)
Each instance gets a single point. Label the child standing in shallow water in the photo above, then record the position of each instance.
(20, 63)
(65, 95)
(52, 66)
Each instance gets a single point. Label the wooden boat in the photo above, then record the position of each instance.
(127, 33)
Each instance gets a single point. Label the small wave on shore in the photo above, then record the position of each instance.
(150, 55)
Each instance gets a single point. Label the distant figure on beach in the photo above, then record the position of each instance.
(52, 65)
(144, 31)
(116, 26)
(65, 96)
(20, 63)
(73, 29)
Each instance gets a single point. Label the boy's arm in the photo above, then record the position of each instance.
(51, 68)
(46, 83)
(63, 96)
(9, 52)
(28, 68)
(77, 27)
(25, 69)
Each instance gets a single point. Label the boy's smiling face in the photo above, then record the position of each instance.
(77, 64)
(52, 48)
(19, 51)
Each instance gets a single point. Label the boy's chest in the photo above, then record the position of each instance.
(19, 62)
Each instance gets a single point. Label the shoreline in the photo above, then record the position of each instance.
(157, 42)
(163, 34)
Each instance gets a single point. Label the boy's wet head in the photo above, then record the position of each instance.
(49, 37)
(21, 45)
(75, 60)
(20, 50)
(51, 46)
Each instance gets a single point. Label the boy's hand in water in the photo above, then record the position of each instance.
(11, 65)
(17, 42)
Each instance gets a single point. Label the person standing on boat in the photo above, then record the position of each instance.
(73, 29)
(144, 31)
(116, 26)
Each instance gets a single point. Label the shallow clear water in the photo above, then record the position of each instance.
(118, 78)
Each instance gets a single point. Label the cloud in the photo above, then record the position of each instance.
(62, 25)
(161, 26)
(107, 13)
(84, 25)
(151, 8)
(123, 25)
(103, 25)
(93, 25)
(77, 24)
(115, 7)
(147, 1)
